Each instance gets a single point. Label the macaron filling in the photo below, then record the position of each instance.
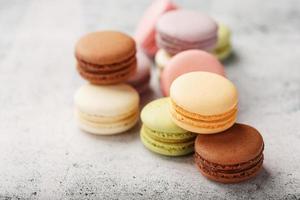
(208, 118)
(174, 46)
(202, 121)
(91, 67)
(106, 119)
(107, 78)
(101, 121)
(169, 137)
(242, 170)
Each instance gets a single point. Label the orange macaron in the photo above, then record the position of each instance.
(203, 102)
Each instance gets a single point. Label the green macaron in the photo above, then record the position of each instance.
(223, 48)
(159, 134)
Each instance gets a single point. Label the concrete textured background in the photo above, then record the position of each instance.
(43, 155)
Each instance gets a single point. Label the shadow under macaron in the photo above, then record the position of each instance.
(258, 181)
(232, 60)
(128, 136)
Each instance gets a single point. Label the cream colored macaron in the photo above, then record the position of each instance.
(161, 59)
(203, 102)
(106, 110)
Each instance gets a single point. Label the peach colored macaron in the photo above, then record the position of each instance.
(189, 61)
(203, 102)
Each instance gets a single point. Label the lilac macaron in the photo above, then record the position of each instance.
(141, 79)
(181, 30)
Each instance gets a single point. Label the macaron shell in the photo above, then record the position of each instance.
(156, 116)
(224, 35)
(110, 100)
(215, 94)
(114, 77)
(189, 61)
(107, 128)
(238, 144)
(141, 78)
(105, 47)
(145, 32)
(168, 149)
(161, 59)
(190, 26)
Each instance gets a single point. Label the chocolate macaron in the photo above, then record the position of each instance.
(231, 156)
(106, 57)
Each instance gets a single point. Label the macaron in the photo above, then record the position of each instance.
(160, 135)
(145, 31)
(106, 57)
(203, 102)
(188, 61)
(232, 156)
(223, 48)
(141, 79)
(106, 109)
(181, 30)
(161, 59)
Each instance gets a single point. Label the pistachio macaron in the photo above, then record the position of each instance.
(203, 102)
(223, 47)
(160, 134)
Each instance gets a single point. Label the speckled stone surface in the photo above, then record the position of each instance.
(43, 155)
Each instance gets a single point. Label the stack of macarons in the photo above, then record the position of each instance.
(204, 104)
(193, 30)
(166, 30)
(225, 151)
(109, 103)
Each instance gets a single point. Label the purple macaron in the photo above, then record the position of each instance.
(181, 30)
(141, 79)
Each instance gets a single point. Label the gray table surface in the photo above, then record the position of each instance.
(43, 155)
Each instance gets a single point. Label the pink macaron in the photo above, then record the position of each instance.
(181, 30)
(145, 31)
(141, 79)
(188, 61)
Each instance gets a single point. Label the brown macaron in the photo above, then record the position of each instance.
(231, 156)
(106, 57)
